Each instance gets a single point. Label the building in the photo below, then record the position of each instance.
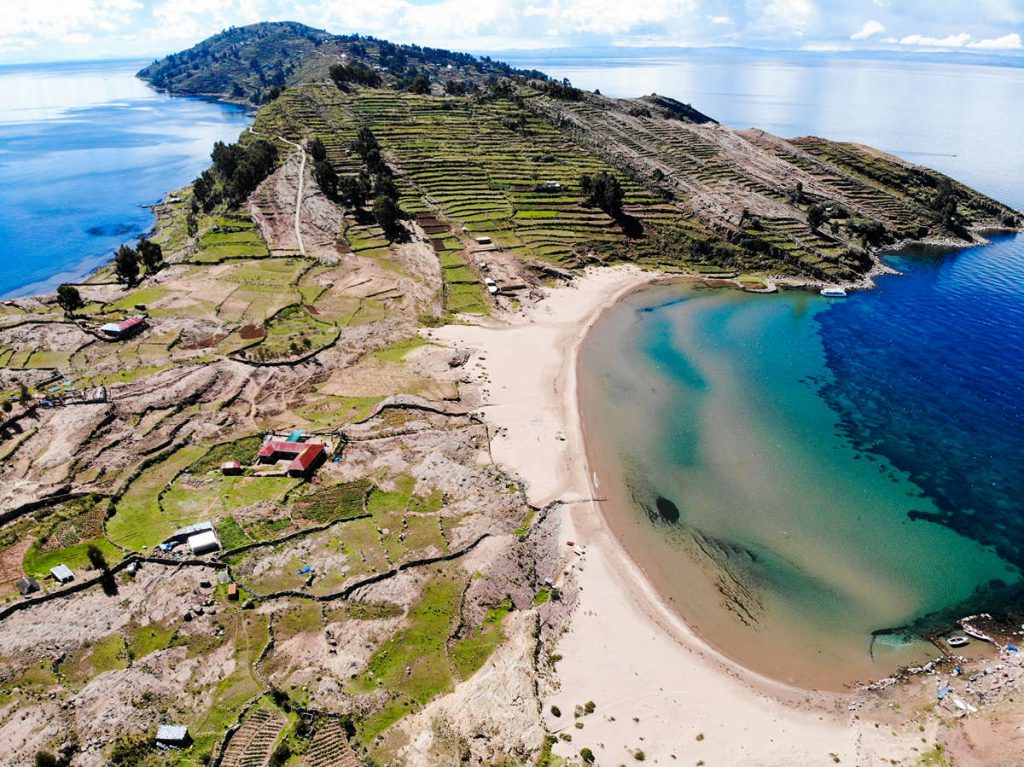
(203, 543)
(233, 591)
(27, 586)
(124, 329)
(230, 468)
(173, 736)
(549, 186)
(303, 457)
(483, 240)
(62, 574)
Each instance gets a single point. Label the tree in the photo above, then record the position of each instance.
(384, 186)
(69, 299)
(420, 85)
(388, 216)
(587, 755)
(96, 558)
(126, 265)
(816, 216)
(604, 191)
(45, 759)
(354, 190)
(317, 150)
(326, 178)
(152, 255)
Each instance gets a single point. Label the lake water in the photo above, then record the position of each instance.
(82, 148)
(815, 484)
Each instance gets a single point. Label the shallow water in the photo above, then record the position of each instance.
(802, 476)
(82, 148)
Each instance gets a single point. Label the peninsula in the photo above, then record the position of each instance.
(300, 479)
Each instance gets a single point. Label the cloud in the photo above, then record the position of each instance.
(1010, 42)
(720, 21)
(870, 29)
(950, 41)
(785, 17)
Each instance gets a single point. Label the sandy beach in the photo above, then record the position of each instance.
(657, 687)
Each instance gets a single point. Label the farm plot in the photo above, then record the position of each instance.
(253, 744)
(291, 333)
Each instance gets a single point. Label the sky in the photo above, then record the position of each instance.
(51, 30)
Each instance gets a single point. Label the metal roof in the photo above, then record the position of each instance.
(172, 732)
(62, 573)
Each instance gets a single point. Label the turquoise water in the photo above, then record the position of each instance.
(816, 483)
(82, 148)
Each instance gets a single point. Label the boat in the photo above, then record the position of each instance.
(958, 641)
(833, 292)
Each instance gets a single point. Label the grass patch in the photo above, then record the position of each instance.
(243, 450)
(231, 533)
(413, 665)
(471, 652)
(335, 502)
(397, 352)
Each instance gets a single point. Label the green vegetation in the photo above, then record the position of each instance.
(471, 652)
(336, 502)
(243, 450)
(413, 665)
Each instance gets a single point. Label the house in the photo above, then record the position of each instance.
(233, 591)
(203, 543)
(304, 457)
(230, 468)
(124, 329)
(173, 736)
(62, 573)
(549, 186)
(483, 240)
(27, 586)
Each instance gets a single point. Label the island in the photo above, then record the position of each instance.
(300, 478)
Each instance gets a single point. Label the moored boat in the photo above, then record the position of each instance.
(833, 292)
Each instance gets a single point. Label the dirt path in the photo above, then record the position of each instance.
(298, 195)
(299, 192)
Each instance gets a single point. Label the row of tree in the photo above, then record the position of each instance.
(374, 181)
(236, 172)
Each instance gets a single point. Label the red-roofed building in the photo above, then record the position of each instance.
(124, 329)
(305, 456)
(229, 468)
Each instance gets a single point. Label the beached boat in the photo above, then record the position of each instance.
(958, 641)
(833, 292)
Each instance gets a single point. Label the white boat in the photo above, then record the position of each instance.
(833, 292)
(958, 641)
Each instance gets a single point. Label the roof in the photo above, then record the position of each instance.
(187, 532)
(305, 453)
(231, 465)
(296, 435)
(172, 732)
(203, 540)
(62, 572)
(129, 323)
(111, 327)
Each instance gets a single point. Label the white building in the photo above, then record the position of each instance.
(203, 543)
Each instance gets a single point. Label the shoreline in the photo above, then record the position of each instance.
(626, 649)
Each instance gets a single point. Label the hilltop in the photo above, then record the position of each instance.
(471, 140)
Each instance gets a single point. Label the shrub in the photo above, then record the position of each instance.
(587, 755)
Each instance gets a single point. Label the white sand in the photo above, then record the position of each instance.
(625, 650)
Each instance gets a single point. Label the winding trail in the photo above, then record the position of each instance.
(298, 194)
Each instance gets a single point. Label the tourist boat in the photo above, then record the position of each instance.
(958, 641)
(833, 292)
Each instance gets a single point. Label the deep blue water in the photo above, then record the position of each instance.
(82, 148)
(929, 372)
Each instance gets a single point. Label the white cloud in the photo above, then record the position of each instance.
(785, 17)
(720, 21)
(1010, 42)
(950, 41)
(871, 28)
